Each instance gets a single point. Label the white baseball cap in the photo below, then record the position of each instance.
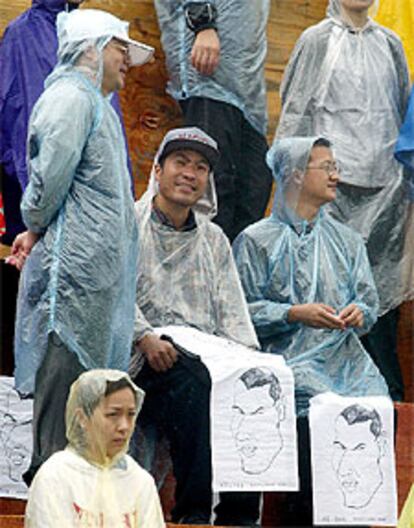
(83, 24)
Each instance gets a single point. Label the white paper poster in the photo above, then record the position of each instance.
(15, 440)
(353, 465)
(253, 421)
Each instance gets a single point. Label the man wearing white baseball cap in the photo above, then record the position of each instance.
(76, 297)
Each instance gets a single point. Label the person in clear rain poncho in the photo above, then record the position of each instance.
(347, 78)
(186, 277)
(307, 279)
(76, 305)
(93, 482)
(28, 53)
(310, 291)
(215, 54)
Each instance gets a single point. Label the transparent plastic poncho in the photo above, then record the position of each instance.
(188, 277)
(79, 278)
(351, 84)
(239, 79)
(284, 260)
(82, 485)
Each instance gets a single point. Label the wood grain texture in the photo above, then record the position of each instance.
(148, 111)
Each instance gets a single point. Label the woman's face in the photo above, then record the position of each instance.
(112, 424)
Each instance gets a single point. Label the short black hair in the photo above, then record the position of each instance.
(356, 413)
(322, 142)
(257, 377)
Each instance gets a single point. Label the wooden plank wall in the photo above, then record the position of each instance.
(148, 112)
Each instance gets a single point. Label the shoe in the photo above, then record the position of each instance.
(196, 518)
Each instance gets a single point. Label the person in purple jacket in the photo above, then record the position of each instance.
(27, 55)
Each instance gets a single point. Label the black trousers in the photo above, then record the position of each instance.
(178, 403)
(243, 180)
(381, 344)
(59, 369)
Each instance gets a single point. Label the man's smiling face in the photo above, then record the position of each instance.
(183, 177)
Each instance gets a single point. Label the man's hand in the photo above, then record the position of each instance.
(353, 316)
(160, 354)
(316, 315)
(21, 248)
(205, 55)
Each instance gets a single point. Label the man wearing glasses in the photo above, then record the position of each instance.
(307, 278)
(309, 287)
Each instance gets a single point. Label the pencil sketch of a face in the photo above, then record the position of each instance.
(358, 449)
(17, 454)
(258, 409)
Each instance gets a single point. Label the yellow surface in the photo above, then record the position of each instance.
(398, 15)
(407, 516)
(4, 251)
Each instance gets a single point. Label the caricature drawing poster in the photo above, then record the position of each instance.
(253, 421)
(254, 429)
(15, 440)
(353, 464)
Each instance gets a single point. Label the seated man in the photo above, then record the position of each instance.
(307, 279)
(186, 276)
(309, 287)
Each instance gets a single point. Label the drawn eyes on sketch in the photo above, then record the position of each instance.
(257, 412)
(358, 447)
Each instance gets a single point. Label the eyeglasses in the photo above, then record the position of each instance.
(120, 46)
(330, 167)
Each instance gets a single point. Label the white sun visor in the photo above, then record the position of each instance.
(139, 53)
(83, 24)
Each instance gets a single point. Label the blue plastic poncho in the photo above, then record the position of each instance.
(27, 55)
(188, 278)
(284, 260)
(79, 280)
(352, 85)
(404, 153)
(404, 149)
(239, 79)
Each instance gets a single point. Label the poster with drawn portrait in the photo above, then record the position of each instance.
(353, 463)
(15, 440)
(253, 421)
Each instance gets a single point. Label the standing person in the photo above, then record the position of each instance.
(93, 482)
(28, 53)
(215, 52)
(347, 79)
(75, 305)
(186, 277)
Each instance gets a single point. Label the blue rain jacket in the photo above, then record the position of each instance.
(79, 280)
(239, 79)
(283, 261)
